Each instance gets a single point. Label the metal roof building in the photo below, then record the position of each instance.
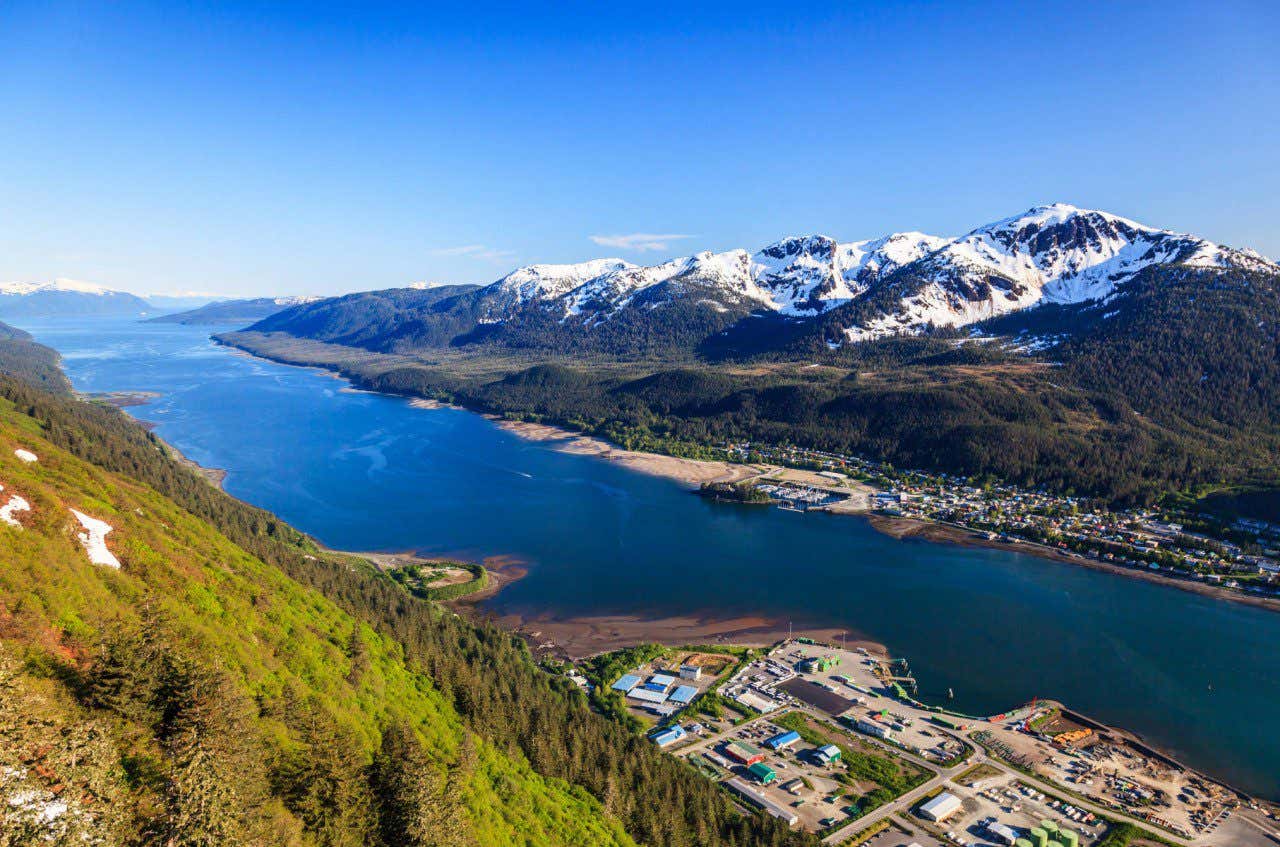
(782, 740)
(743, 752)
(748, 793)
(665, 680)
(646, 695)
(626, 682)
(941, 807)
(669, 736)
(684, 694)
(828, 753)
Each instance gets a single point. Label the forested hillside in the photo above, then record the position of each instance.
(1061, 347)
(29, 361)
(232, 684)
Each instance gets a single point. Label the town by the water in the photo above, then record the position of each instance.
(831, 739)
(1241, 556)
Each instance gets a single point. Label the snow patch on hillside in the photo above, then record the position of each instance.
(14, 505)
(94, 540)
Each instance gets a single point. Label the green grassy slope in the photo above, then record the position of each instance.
(297, 679)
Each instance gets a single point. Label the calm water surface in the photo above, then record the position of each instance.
(1197, 676)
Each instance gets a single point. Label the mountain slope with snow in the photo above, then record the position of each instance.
(1051, 254)
(844, 292)
(242, 312)
(66, 297)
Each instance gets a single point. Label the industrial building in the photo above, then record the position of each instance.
(683, 694)
(754, 700)
(743, 753)
(669, 736)
(783, 740)
(662, 679)
(942, 807)
(646, 695)
(878, 730)
(763, 773)
(690, 672)
(744, 790)
(1002, 834)
(827, 753)
(626, 683)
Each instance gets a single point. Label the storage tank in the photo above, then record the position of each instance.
(1023, 842)
(1039, 837)
(1049, 826)
(1069, 838)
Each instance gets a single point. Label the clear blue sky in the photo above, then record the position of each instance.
(318, 147)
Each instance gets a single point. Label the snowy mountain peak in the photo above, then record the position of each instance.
(1053, 253)
(539, 282)
(60, 284)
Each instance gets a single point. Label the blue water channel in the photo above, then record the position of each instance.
(1197, 676)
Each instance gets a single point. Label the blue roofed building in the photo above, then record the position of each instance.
(665, 680)
(669, 736)
(782, 740)
(626, 683)
(684, 694)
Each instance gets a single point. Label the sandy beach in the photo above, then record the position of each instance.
(692, 472)
(575, 638)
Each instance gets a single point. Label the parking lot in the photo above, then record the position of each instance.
(1004, 799)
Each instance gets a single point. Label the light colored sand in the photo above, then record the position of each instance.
(589, 635)
(693, 472)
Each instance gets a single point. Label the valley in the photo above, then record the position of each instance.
(603, 564)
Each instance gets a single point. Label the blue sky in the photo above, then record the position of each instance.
(318, 148)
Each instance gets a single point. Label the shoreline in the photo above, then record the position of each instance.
(122, 400)
(903, 528)
(693, 472)
(584, 636)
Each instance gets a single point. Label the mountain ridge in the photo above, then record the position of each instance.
(66, 297)
(902, 283)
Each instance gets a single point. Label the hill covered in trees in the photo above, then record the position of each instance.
(1060, 347)
(230, 683)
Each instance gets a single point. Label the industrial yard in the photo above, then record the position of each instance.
(832, 741)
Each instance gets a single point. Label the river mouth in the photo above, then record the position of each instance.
(608, 550)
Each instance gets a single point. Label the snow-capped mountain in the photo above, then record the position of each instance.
(842, 292)
(236, 311)
(906, 281)
(540, 283)
(66, 297)
(1050, 254)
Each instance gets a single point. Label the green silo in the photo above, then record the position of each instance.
(1049, 826)
(1069, 838)
(1039, 837)
(1023, 842)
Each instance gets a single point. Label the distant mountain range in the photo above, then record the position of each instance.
(66, 297)
(809, 286)
(237, 312)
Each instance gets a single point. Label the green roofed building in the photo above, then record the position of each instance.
(763, 773)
